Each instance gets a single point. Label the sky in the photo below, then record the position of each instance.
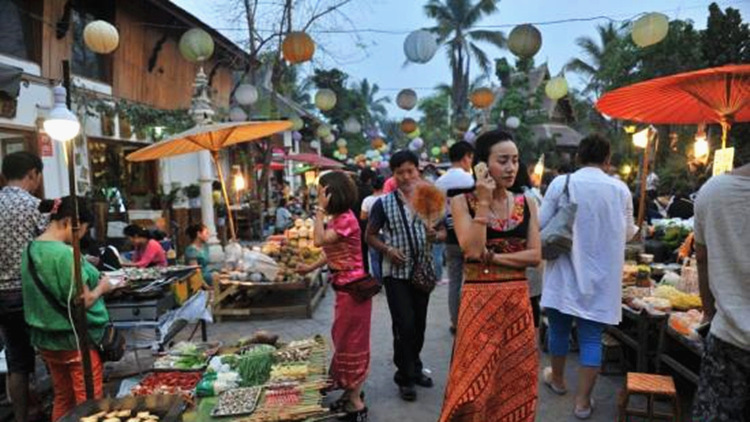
(379, 56)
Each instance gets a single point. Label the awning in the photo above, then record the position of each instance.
(564, 135)
(10, 80)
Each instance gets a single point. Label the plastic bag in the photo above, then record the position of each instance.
(256, 262)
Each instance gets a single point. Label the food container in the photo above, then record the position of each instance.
(646, 258)
(236, 402)
(167, 407)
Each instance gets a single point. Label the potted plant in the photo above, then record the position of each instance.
(123, 116)
(193, 192)
(107, 117)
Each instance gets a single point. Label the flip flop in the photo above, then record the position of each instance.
(547, 378)
(584, 413)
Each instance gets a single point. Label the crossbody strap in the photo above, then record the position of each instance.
(53, 302)
(566, 191)
(407, 227)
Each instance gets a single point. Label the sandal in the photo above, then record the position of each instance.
(339, 406)
(584, 413)
(547, 377)
(356, 416)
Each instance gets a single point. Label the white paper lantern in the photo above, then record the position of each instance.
(329, 139)
(556, 88)
(513, 122)
(424, 156)
(650, 29)
(417, 143)
(237, 114)
(325, 99)
(101, 37)
(341, 143)
(450, 142)
(470, 137)
(323, 131)
(314, 144)
(246, 94)
(352, 125)
(420, 46)
(407, 99)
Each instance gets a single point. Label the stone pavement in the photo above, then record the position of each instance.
(382, 394)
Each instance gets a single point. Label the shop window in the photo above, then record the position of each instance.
(21, 29)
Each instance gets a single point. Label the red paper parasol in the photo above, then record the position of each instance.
(315, 161)
(720, 94)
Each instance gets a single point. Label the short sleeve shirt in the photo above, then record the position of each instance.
(20, 223)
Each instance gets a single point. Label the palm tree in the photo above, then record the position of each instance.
(376, 111)
(608, 62)
(456, 20)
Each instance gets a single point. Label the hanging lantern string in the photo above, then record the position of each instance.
(613, 18)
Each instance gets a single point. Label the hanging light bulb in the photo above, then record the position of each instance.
(61, 124)
(701, 148)
(640, 139)
(239, 182)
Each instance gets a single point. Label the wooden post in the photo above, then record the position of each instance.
(644, 178)
(230, 217)
(79, 307)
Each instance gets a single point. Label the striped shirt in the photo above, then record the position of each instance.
(386, 216)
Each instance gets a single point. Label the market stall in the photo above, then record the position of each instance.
(163, 300)
(258, 379)
(252, 275)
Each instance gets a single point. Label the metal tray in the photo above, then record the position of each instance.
(169, 408)
(256, 398)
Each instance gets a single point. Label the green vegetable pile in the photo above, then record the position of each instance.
(254, 366)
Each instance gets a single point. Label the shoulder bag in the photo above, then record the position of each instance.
(557, 235)
(112, 345)
(423, 274)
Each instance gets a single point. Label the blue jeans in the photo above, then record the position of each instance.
(438, 250)
(589, 337)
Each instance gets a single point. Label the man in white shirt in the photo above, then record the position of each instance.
(456, 180)
(586, 285)
(722, 249)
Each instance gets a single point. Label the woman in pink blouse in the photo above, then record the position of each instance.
(147, 252)
(340, 240)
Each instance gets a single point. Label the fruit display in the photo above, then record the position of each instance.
(180, 383)
(294, 248)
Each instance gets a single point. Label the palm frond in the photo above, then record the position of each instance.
(477, 11)
(438, 11)
(482, 60)
(496, 38)
(580, 66)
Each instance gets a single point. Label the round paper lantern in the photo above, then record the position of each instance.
(237, 114)
(650, 29)
(470, 137)
(296, 136)
(323, 131)
(325, 99)
(444, 149)
(351, 125)
(343, 150)
(420, 46)
(341, 143)
(450, 142)
(406, 99)
(196, 45)
(378, 143)
(435, 151)
(424, 156)
(297, 122)
(513, 122)
(482, 97)
(246, 94)
(416, 134)
(297, 47)
(463, 123)
(384, 165)
(408, 125)
(418, 143)
(314, 144)
(101, 37)
(556, 88)
(525, 41)
(329, 139)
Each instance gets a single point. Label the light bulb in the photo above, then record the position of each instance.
(61, 124)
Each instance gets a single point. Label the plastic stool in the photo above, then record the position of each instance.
(651, 386)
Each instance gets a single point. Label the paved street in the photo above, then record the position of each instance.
(382, 395)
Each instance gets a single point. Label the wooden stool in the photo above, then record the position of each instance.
(612, 346)
(651, 386)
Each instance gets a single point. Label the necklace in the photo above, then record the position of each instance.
(505, 209)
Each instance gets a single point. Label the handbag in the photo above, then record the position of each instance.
(557, 235)
(423, 277)
(112, 345)
(360, 289)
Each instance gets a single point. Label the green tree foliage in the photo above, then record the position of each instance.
(679, 52)
(726, 38)
(435, 122)
(456, 27)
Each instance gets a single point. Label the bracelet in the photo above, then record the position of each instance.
(487, 257)
(320, 209)
(481, 220)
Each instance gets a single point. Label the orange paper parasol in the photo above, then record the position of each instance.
(212, 137)
(720, 94)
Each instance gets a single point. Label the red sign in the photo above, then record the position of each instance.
(46, 148)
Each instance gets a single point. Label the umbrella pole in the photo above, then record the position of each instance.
(644, 177)
(230, 217)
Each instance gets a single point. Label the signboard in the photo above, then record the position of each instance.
(46, 149)
(723, 160)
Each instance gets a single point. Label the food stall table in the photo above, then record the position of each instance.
(679, 354)
(225, 290)
(639, 331)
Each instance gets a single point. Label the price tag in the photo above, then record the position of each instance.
(723, 161)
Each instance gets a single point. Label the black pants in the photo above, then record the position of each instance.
(408, 307)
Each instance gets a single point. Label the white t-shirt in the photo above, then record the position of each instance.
(587, 283)
(368, 202)
(455, 178)
(722, 224)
